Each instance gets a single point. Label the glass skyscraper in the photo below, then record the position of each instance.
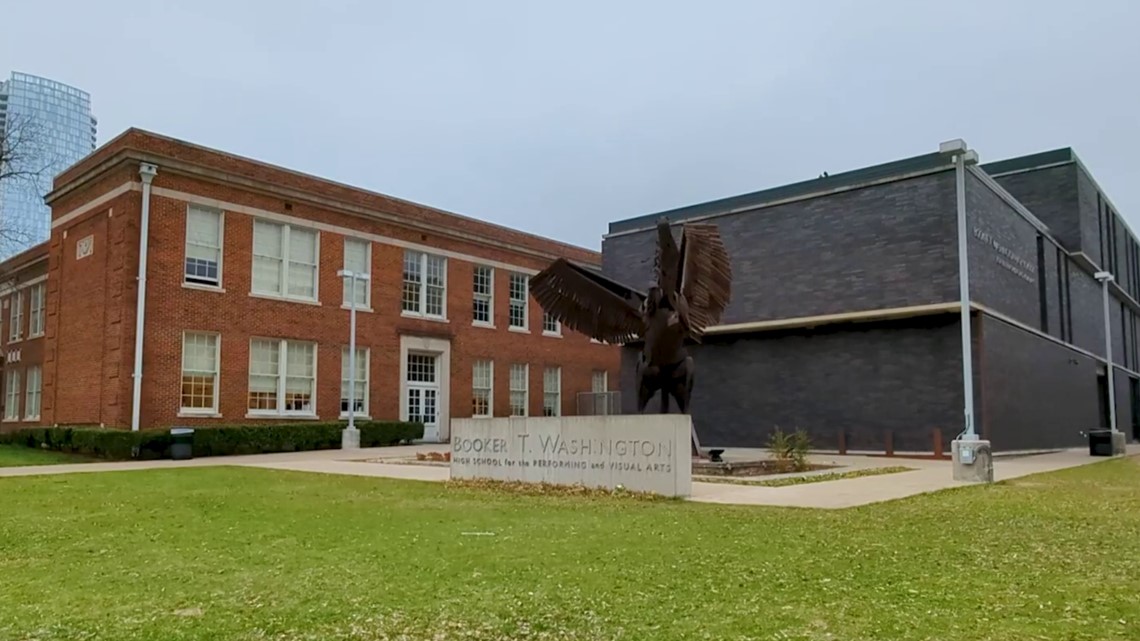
(55, 127)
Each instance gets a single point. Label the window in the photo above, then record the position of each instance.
(552, 391)
(518, 389)
(599, 387)
(200, 372)
(601, 381)
(203, 246)
(282, 377)
(36, 313)
(550, 325)
(33, 395)
(484, 295)
(359, 386)
(425, 280)
(284, 261)
(16, 319)
(518, 303)
(12, 397)
(357, 258)
(482, 376)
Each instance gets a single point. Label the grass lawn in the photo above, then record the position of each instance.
(18, 455)
(248, 554)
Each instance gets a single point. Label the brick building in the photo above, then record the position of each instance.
(245, 316)
(845, 315)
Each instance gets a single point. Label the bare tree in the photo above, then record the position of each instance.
(25, 159)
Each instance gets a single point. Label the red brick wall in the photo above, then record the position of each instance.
(92, 308)
(91, 317)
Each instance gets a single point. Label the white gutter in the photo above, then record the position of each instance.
(147, 172)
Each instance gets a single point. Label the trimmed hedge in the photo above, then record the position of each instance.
(116, 444)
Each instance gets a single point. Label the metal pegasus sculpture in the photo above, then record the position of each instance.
(693, 286)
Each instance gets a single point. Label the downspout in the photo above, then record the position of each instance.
(146, 172)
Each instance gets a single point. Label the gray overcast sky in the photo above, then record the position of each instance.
(558, 118)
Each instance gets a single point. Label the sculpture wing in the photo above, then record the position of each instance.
(667, 261)
(589, 303)
(705, 276)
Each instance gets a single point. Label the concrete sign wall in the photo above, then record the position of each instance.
(648, 453)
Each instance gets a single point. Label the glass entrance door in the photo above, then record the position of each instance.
(423, 392)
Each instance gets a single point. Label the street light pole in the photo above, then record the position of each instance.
(964, 298)
(350, 437)
(972, 456)
(1105, 278)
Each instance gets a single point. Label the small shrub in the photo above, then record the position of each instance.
(790, 450)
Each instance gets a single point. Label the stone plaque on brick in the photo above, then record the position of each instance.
(647, 453)
(84, 247)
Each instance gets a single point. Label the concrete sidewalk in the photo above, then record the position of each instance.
(927, 475)
(252, 460)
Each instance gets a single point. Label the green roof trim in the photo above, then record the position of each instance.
(1032, 161)
(844, 180)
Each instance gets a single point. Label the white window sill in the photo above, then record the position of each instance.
(356, 417)
(280, 416)
(15, 419)
(484, 416)
(518, 330)
(31, 419)
(203, 288)
(193, 414)
(348, 307)
(552, 334)
(286, 299)
(13, 341)
(37, 335)
(434, 319)
(483, 324)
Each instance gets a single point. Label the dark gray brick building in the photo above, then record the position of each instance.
(845, 315)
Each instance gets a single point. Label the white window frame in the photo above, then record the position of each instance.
(548, 393)
(284, 263)
(423, 258)
(35, 393)
(282, 378)
(363, 354)
(512, 301)
(199, 281)
(366, 284)
(12, 395)
(524, 390)
(217, 373)
(16, 317)
(490, 389)
(37, 312)
(488, 297)
(557, 331)
(605, 381)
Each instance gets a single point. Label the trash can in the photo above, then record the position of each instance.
(181, 443)
(1100, 442)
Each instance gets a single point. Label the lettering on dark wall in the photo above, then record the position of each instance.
(1007, 258)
